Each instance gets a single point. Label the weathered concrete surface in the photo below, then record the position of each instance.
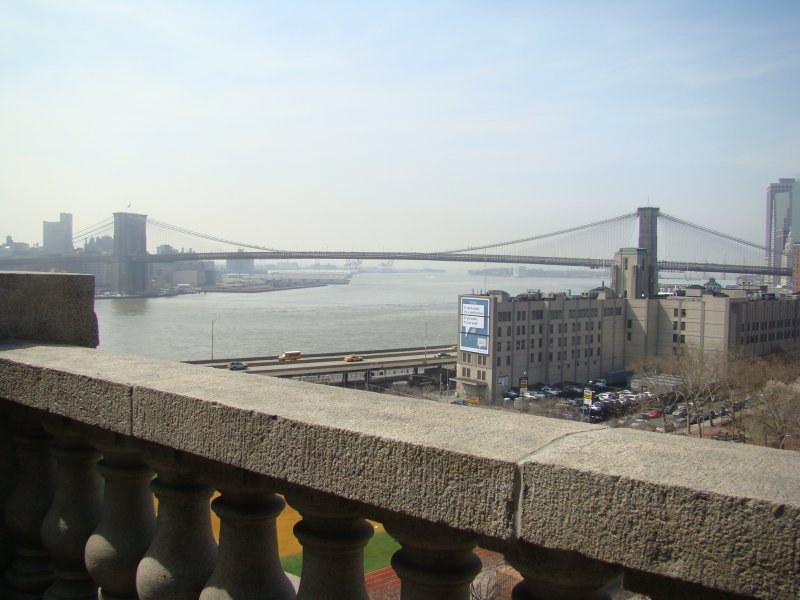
(48, 307)
(721, 515)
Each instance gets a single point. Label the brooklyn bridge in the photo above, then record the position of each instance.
(673, 244)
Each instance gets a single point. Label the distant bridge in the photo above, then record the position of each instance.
(674, 245)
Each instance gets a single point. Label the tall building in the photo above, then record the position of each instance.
(783, 224)
(57, 235)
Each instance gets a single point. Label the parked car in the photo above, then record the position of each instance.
(654, 414)
(237, 365)
(441, 354)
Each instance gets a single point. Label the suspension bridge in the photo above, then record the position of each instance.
(672, 243)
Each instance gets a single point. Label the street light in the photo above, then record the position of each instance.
(212, 338)
(425, 341)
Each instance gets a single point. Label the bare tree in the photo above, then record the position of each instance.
(690, 376)
(777, 411)
(653, 371)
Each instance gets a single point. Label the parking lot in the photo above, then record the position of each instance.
(620, 407)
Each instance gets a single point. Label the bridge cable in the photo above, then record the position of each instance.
(712, 232)
(541, 236)
(209, 237)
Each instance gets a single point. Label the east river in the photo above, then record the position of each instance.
(375, 311)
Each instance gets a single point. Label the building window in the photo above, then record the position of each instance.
(674, 338)
(683, 325)
(683, 339)
(508, 360)
(630, 323)
(674, 326)
(498, 361)
(629, 336)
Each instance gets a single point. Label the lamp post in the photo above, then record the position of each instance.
(425, 342)
(212, 338)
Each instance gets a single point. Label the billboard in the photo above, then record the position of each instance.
(474, 328)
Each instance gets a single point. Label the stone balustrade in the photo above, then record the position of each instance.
(89, 437)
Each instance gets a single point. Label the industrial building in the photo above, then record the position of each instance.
(507, 340)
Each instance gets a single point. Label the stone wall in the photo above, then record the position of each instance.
(50, 307)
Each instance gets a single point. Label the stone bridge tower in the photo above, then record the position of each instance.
(129, 277)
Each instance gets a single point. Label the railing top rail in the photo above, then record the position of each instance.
(667, 505)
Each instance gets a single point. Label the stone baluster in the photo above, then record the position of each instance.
(559, 574)
(126, 525)
(434, 563)
(31, 570)
(333, 536)
(248, 565)
(180, 558)
(8, 477)
(74, 514)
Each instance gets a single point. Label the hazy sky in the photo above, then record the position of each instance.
(403, 125)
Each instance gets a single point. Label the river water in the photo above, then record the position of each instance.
(375, 311)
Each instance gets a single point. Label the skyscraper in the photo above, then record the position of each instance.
(57, 235)
(783, 224)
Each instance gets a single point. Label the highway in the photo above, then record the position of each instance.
(378, 362)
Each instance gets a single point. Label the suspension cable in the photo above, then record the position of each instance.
(712, 232)
(208, 237)
(541, 236)
(92, 229)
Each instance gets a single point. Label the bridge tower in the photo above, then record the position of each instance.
(648, 240)
(129, 278)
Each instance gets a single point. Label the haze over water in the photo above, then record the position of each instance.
(375, 311)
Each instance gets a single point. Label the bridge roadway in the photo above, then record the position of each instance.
(377, 362)
(593, 263)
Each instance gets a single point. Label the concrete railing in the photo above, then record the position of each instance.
(572, 506)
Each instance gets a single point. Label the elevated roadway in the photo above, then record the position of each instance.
(380, 363)
(593, 263)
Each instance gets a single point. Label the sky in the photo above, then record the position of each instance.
(395, 126)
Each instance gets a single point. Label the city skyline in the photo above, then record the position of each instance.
(417, 127)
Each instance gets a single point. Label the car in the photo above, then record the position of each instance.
(237, 365)
(441, 354)
(654, 414)
(458, 402)
(353, 358)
